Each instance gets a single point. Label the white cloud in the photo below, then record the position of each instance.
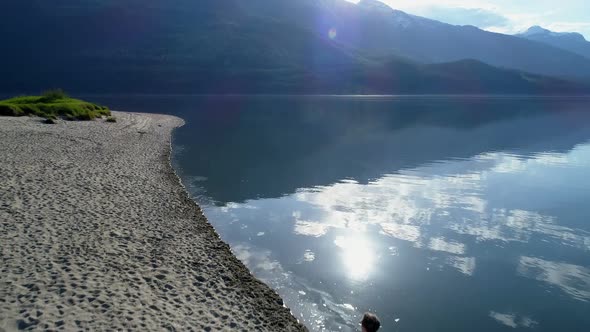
(505, 16)
(480, 17)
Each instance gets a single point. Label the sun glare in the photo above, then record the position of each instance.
(357, 256)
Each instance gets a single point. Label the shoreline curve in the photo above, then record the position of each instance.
(97, 231)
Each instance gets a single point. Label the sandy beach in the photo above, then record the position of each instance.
(97, 233)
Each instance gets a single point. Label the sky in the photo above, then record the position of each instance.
(505, 16)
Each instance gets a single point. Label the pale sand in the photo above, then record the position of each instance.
(97, 233)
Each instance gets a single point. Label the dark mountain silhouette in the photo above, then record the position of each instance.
(225, 46)
(571, 41)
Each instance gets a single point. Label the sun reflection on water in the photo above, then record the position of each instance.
(443, 217)
(358, 257)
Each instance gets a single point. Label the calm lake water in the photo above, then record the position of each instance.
(436, 213)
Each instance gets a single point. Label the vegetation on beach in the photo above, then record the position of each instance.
(51, 105)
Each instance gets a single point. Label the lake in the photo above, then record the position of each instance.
(436, 213)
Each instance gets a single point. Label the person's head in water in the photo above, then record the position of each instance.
(370, 323)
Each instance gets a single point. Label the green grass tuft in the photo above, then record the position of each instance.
(51, 105)
(111, 119)
(53, 95)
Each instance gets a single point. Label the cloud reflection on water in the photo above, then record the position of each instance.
(572, 279)
(512, 320)
(465, 265)
(437, 205)
(440, 244)
(401, 231)
(447, 211)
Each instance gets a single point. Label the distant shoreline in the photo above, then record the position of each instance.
(339, 95)
(261, 95)
(98, 232)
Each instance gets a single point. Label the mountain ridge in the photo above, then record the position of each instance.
(220, 46)
(386, 32)
(571, 41)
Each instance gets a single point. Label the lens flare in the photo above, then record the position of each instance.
(333, 33)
